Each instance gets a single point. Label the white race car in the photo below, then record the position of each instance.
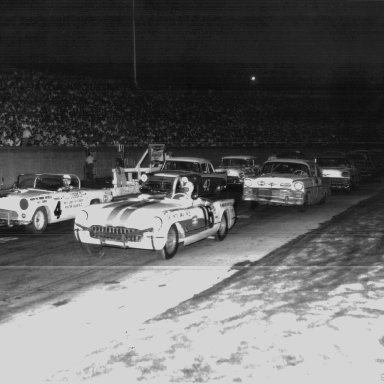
(287, 182)
(154, 222)
(36, 200)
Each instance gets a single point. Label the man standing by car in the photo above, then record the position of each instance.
(89, 166)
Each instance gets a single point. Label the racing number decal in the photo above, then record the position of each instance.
(206, 185)
(58, 210)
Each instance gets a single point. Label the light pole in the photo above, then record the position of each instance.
(134, 44)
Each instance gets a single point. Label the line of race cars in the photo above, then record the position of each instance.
(180, 204)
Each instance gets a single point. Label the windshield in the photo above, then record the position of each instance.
(158, 186)
(285, 167)
(234, 163)
(174, 165)
(26, 181)
(333, 162)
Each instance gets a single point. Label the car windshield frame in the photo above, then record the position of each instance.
(181, 165)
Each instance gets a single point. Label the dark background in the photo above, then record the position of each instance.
(201, 43)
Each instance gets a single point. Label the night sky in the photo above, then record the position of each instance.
(327, 35)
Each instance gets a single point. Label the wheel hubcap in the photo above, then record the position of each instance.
(39, 220)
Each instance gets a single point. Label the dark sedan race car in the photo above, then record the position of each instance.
(160, 220)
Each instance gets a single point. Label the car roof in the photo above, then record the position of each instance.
(290, 160)
(189, 159)
(239, 157)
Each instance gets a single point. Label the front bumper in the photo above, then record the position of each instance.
(118, 237)
(9, 218)
(274, 196)
(339, 183)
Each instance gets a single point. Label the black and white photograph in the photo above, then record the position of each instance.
(192, 191)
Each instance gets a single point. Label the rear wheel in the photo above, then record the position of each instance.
(95, 250)
(223, 229)
(39, 221)
(171, 245)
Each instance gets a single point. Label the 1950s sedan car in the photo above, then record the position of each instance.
(238, 167)
(212, 181)
(287, 182)
(37, 199)
(339, 171)
(364, 162)
(154, 221)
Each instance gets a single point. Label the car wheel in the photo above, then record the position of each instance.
(93, 249)
(171, 244)
(39, 221)
(223, 228)
(304, 206)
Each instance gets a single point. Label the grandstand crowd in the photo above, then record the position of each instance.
(37, 109)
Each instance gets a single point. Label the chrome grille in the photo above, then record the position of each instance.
(115, 233)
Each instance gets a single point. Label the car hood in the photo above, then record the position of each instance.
(15, 195)
(135, 213)
(280, 177)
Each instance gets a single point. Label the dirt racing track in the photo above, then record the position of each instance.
(55, 298)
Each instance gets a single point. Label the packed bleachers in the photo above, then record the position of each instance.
(42, 110)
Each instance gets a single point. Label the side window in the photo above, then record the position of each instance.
(204, 167)
(210, 168)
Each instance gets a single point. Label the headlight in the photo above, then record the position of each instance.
(144, 178)
(157, 223)
(82, 216)
(248, 183)
(345, 174)
(298, 185)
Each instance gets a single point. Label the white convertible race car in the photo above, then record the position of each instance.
(36, 200)
(154, 222)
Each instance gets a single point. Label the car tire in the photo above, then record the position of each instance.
(95, 250)
(171, 245)
(304, 206)
(223, 228)
(39, 221)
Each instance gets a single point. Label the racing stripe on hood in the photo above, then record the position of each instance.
(129, 206)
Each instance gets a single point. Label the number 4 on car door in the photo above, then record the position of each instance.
(58, 210)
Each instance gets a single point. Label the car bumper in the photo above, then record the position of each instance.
(339, 183)
(274, 196)
(144, 240)
(9, 218)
